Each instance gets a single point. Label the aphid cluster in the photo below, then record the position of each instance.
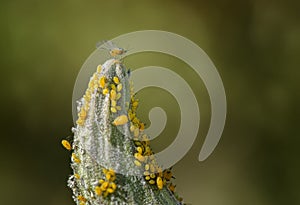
(94, 83)
(106, 186)
(107, 85)
(144, 157)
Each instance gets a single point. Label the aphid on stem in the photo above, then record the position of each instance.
(113, 49)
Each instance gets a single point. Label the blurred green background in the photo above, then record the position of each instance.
(254, 44)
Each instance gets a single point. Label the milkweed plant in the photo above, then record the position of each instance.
(111, 158)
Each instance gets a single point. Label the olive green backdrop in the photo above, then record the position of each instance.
(254, 44)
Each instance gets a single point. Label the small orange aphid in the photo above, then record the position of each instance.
(168, 175)
(111, 47)
(113, 103)
(81, 198)
(152, 181)
(159, 183)
(105, 91)
(98, 190)
(110, 190)
(139, 157)
(66, 144)
(102, 81)
(113, 185)
(121, 120)
(137, 163)
(104, 186)
(142, 126)
(119, 87)
(113, 109)
(99, 68)
(118, 96)
(77, 176)
(172, 187)
(116, 80)
(82, 114)
(80, 122)
(113, 94)
(75, 158)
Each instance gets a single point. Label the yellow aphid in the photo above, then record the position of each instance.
(137, 163)
(111, 171)
(110, 190)
(152, 181)
(66, 144)
(108, 176)
(135, 120)
(132, 128)
(136, 132)
(88, 92)
(96, 86)
(99, 68)
(104, 186)
(148, 150)
(102, 82)
(159, 183)
(152, 175)
(147, 167)
(119, 87)
(146, 173)
(82, 114)
(101, 181)
(138, 143)
(77, 176)
(91, 84)
(168, 175)
(131, 113)
(113, 109)
(139, 157)
(81, 198)
(87, 98)
(118, 96)
(140, 150)
(118, 107)
(172, 187)
(121, 120)
(152, 169)
(113, 95)
(113, 87)
(147, 178)
(98, 190)
(116, 51)
(105, 91)
(113, 103)
(116, 80)
(142, 126)
(113, 186)
(75, 158)
(135, 103)
(86, 107)
(80, 122)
